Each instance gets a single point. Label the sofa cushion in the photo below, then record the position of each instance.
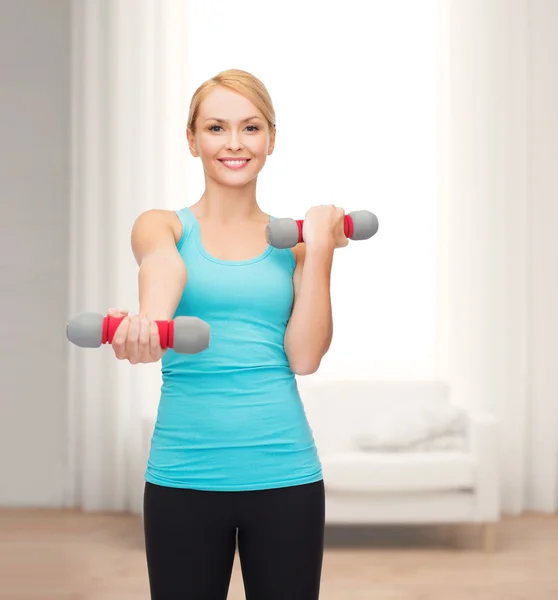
(341, 411)
(399, 472)
(403, 427)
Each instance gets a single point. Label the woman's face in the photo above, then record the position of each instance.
(232, 138)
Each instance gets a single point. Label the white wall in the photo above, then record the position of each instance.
(356, 92)
(35, 130)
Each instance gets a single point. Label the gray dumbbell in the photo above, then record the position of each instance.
(185, 335)
(287, 233)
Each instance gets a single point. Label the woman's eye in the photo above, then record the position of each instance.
(218, 127)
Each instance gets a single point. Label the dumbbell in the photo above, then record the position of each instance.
(186, 335)
(287, 233)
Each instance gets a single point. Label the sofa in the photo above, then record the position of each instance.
(409, 470)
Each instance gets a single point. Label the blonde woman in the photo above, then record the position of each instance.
(233, 464)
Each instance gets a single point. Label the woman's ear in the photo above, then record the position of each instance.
(192, 143)
(271, 147)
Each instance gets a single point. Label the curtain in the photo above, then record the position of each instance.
(497, 249)
(127, 124)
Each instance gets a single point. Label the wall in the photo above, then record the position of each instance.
(356, 127)
(35, 126)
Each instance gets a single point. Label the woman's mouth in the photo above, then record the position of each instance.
(234, 163)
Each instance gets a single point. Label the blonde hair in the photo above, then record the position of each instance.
(238, 81)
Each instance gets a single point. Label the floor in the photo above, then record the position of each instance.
(55, 555)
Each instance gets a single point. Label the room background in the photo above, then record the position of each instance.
(437, 116)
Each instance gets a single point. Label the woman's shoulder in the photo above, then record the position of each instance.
(157, 217)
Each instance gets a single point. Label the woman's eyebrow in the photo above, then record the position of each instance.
(224, 120)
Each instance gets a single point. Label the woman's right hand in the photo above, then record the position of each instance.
(136, 339)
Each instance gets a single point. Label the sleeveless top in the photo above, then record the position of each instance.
(231, 417)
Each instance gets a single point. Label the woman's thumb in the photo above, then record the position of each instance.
(116, 312)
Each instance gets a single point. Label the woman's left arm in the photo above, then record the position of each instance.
(310, 328)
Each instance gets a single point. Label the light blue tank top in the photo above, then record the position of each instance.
(231, 418)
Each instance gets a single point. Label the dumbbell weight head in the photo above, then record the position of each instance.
(282, 233)
(86, 330)
(365, 224)
(191, 335)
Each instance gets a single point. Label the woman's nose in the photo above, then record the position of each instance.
(234, 143)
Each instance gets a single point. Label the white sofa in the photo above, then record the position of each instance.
(405, 486)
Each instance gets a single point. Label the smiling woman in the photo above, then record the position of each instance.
(230, 418)
(355, 125)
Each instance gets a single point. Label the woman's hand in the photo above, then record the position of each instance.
(136, 339)
(324, 226)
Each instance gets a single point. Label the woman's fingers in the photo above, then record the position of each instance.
(144, 340)
(119, 339)
(117, 312)
(132, 340)
(154, 342)
(136, 338)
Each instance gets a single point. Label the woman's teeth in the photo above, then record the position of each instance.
(234, 164)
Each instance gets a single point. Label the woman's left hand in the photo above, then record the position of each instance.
(324, 226)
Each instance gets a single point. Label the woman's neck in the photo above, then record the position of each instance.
(225, 204)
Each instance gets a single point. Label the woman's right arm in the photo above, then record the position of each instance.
(162, 272)
(161, 280)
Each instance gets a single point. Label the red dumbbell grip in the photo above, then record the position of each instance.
(348, 226)
(166, 331)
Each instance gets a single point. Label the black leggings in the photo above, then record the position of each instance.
(191, 539)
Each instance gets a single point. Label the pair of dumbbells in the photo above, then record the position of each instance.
(190, 335)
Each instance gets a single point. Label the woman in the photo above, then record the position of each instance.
(233, 461)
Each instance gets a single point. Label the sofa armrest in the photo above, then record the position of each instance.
(484, 444)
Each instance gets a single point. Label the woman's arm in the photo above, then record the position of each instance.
(162, 273)
(310, 328)
(161, 280)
